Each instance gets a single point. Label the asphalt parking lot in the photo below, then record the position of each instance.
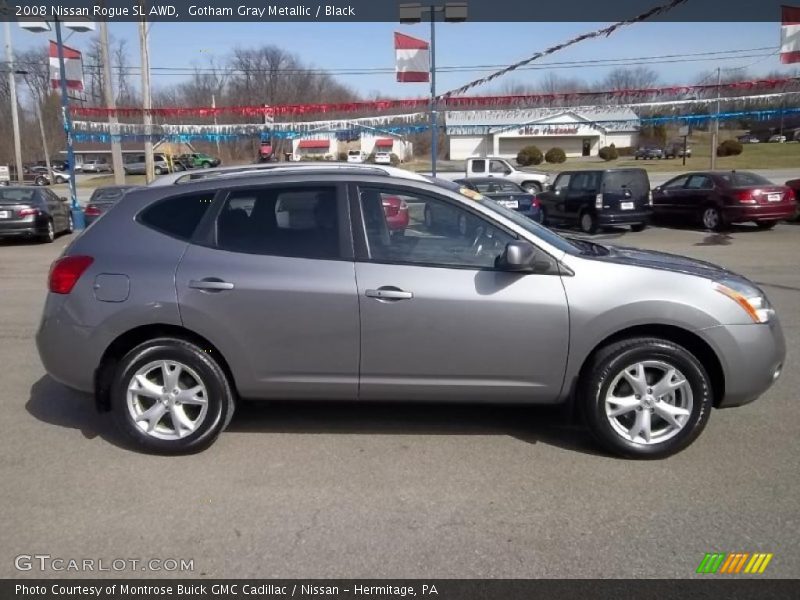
(320, 490)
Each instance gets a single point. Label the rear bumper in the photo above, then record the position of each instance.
(22, 229)
(623, 217)
(760, 212)
(752, 358)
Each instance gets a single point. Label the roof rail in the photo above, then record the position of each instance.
(183, 177)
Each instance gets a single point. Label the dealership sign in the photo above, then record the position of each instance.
(549, 130)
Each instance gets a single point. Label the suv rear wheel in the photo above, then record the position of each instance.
(170, 396)
(588, 222)
(645, 397)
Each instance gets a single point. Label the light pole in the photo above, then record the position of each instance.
(39, 26)
(454, 12)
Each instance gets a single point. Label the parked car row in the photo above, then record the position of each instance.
(164, 163)
(35, 175)
(27, 212)
(675, 150)
(592, 199)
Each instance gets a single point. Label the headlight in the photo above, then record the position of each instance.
(750, 298)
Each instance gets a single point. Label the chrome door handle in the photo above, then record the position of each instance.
(212, 285)
(387, 293)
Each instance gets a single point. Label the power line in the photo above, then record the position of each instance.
(737, 54)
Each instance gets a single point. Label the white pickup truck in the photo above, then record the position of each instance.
(494, 166)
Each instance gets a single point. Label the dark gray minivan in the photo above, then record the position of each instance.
(593, 199)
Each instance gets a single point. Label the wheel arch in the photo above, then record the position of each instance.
(678, 335)
(123, 343)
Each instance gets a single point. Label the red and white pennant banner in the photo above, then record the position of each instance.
(413, 60)
(790, 34)
(73, 67)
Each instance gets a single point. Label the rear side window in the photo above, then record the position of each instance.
(635, 181)
(479, 166)
(178, 216)
(299, 222)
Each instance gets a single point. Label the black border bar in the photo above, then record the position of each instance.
(388, 10)
(729, 588)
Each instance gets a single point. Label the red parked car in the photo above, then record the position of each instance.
(720, 198)
(396, 211)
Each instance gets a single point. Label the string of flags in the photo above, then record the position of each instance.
(101, 135)
(450, 103)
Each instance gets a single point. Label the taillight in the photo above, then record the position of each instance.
(790, 195)
(91, 211)
(535, 202)
(745, 197)
(27, 212)
(65, 272)
(391, 206)
(598, 201)
(650, 197)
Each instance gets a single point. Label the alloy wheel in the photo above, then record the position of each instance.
(711, 218)
(649, 402)
(167, 400)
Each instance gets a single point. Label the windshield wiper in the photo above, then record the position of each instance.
(590, 248)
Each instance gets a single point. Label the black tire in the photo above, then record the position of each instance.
(40, 181)
(543, 220)
(50, 235)
(158, 171)
(765, 225)
(220, 397)
(206, 165)
(587, 221)
(70, 223)
(638, 227)
(60, 179)
(610, 362)
(712, 218)
(533, 187)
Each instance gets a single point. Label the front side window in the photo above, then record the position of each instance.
(178, 216)
(300, 222)
(497, 166)
(411, 228)
(562, 182)
(676, 183)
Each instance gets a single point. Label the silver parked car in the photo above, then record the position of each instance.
(286, 283)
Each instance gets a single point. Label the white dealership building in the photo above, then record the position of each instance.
(579, 132)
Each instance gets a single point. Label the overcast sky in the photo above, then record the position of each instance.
(370, 45)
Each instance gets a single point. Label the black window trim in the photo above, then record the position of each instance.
(206, 232)
(360, 232)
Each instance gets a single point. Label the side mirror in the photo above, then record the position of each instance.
(64, 199)
(507, 172)
(517, 256)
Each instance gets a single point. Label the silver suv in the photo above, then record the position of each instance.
(308, 283)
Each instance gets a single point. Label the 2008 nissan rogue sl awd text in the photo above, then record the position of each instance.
(288, 283)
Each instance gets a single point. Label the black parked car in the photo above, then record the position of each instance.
(649, 152)
(33, 212)
(102, 199)
(506, 193)
(592, 199)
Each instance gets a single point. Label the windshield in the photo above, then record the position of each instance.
(108, 194)
(532, 227)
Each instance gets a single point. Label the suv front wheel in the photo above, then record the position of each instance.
(171, 396)
(645, 398)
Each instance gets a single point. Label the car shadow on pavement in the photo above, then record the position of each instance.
(51, 402)
(530, 424)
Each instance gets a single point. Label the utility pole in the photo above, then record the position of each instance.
(108, 93)
(12, 88)
(147, 104)
(216, 133)
(37, 101)
(715, 134)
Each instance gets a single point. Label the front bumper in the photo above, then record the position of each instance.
(752, 358)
